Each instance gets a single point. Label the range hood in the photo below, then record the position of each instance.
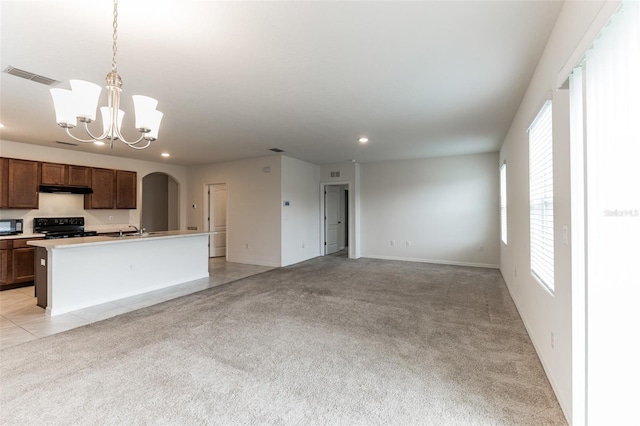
(60, 189)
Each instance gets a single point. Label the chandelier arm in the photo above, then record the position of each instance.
(78, 139)
(139, 147)
(95, 139)
(122, 139)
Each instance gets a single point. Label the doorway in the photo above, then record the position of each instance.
(217, 219)
(159, 203)
(336, 217)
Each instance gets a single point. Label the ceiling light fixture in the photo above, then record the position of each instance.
(166, 154)
(363, 140)
(81, 101)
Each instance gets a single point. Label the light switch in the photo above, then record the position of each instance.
(565, 235)
(43, 262)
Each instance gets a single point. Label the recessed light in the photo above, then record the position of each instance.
(98, 143)
(166, 154)
(363, 140)
(1, 125)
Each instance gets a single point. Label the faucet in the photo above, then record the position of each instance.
(138, 231)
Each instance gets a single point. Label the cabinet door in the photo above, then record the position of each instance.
(103, 185)
(53, 174)
(23, 184)
(4, 266)
(4, 183)
(79, 175)
(126, 193)
(23, 264)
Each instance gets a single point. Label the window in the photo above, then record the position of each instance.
(541, 196)
(503, 202)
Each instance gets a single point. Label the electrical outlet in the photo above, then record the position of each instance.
(408, 243)
(481, 247)
(303, 245)
(393, 243)
(553, 341)
(246, 245)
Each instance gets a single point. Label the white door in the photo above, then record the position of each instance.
(218, 220)
(331, 218)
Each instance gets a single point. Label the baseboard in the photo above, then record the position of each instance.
(436, 261)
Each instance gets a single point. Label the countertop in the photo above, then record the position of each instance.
(101, 239)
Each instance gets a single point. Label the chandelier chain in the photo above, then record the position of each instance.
(114, 65)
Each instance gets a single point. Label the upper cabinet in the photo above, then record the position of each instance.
(20, 181)
(53, 174)
(79, 175)
(65, 174)
(103, 185)
(126, 189)
(19, 185)
(112, 189)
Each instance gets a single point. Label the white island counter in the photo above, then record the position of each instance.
(88, 271)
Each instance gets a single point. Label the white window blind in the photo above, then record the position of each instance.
(503, 202)
(541, 196)
(612, 152)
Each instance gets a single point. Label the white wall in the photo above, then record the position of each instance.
(446, 208)
(73, 205)
(253, 207)
(301, 219)
(543, 313)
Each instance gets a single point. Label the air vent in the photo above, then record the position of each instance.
(67, 143)
(276, 150)
(335, 174)
(31, 76)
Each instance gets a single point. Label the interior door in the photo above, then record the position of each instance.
(331, 218)
(218, 220)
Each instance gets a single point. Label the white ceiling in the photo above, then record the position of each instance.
(234, 79)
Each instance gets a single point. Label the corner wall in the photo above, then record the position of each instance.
(301, 217)
(253, 207)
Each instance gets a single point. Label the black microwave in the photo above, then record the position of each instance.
(10, 226)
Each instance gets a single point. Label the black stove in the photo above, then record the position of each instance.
(61, 227)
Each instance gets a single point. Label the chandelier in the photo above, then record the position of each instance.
(80, 104)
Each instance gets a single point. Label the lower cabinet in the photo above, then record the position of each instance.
(17, 263)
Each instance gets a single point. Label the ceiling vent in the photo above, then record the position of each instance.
(31, 76)
(67, 143)
(276, 150)
(335, 174)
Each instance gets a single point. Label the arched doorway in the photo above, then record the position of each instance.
(160, 203)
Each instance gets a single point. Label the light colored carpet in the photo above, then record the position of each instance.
(327, 341)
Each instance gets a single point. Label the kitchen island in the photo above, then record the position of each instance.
(77, 273)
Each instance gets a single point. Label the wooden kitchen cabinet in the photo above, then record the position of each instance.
(79, 175)
(22, 262)
(53, 174)
(112, 189)
(103, 185)
(5, 249)
(20, 180)
(17, 267)
(126, 189)
(65, 174)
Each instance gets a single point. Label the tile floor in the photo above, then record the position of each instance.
(22, 321)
